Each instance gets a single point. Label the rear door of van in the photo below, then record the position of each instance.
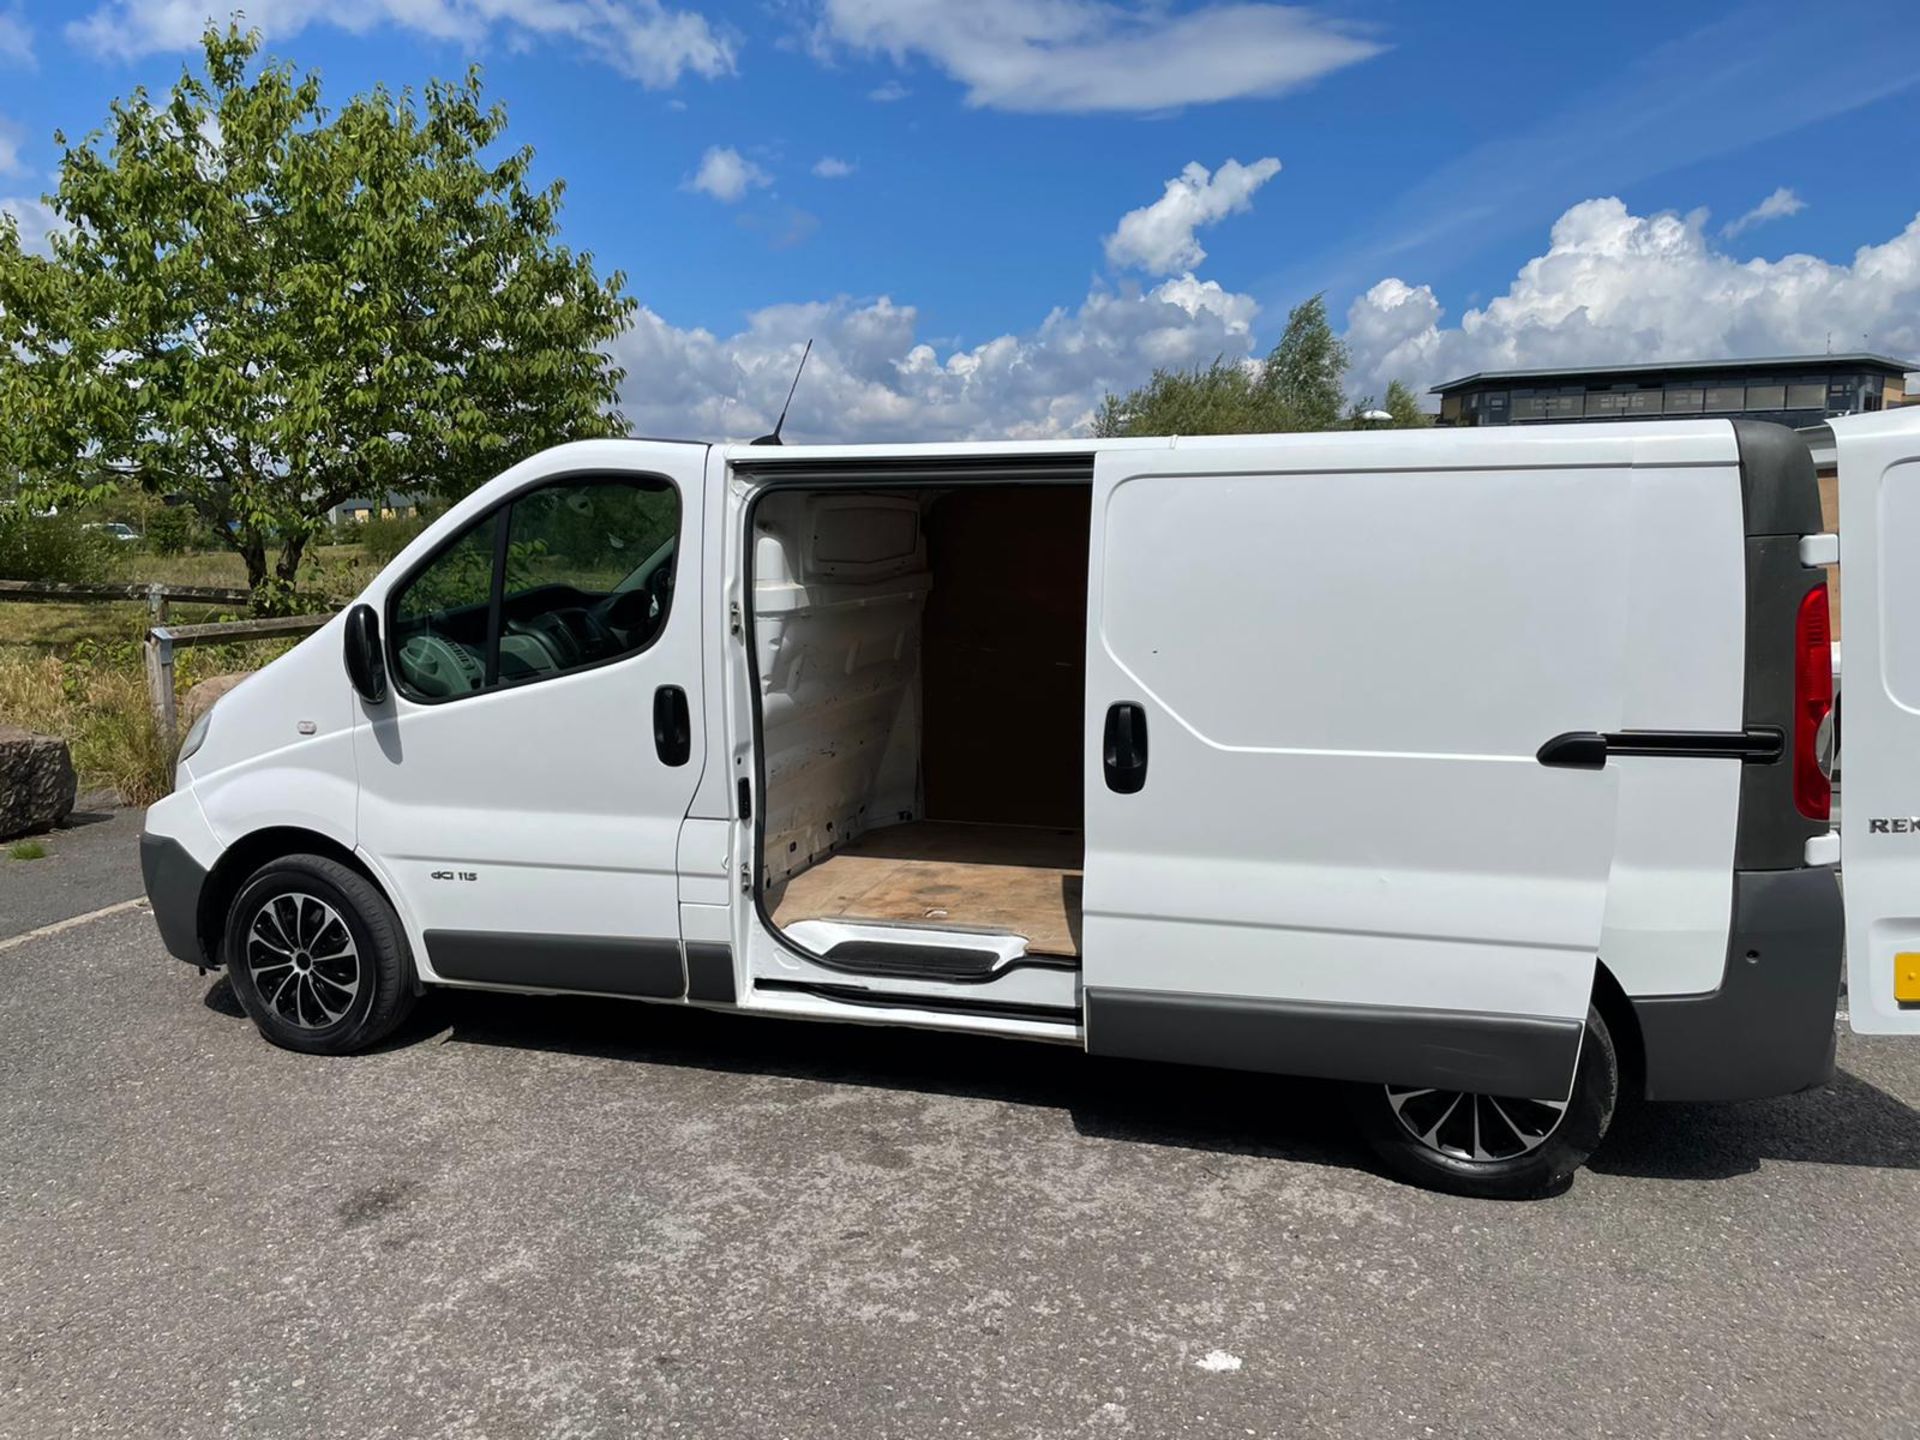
(1878, 456)
(1321, 673)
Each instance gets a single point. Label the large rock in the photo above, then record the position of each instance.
(37, 784)
(198, 700)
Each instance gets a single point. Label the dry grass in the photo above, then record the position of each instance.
(335, 570)
(101, 709)
(75, 670)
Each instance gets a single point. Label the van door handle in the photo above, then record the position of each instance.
(672, 725)
(1124, 751)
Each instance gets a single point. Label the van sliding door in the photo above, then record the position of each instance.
(1318, 838)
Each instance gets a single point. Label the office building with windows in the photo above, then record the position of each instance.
(1793, 390)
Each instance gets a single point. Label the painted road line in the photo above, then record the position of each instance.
(73, 922)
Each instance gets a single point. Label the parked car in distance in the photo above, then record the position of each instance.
(116, 530)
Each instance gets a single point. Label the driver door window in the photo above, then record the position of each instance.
(440, 618)
(565, 577)
(589, 575)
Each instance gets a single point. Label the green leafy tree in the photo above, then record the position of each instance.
(173, 530)
(1405, 407)
(1307, 371)
(1219, 399)
(265, 307)
(1300, 386)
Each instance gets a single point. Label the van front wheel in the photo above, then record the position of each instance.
(1490, 1146)
(318, 957)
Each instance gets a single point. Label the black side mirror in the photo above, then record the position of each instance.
(366, 662)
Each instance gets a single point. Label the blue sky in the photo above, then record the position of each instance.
(1447, 175)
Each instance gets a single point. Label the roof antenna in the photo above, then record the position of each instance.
(774, 438)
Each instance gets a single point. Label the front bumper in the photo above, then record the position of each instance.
(175, 882)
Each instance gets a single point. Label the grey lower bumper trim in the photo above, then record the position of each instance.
(710, 972)
(174, 882)
(1768, 1029)
(605, 965)
(1489, 1054)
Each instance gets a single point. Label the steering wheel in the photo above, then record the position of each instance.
(640, 608)
(434, 665)
(553, 635)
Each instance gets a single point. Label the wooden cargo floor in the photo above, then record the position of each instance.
(1010, 878)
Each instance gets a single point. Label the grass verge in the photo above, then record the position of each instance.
(75, 670)
(101, 709)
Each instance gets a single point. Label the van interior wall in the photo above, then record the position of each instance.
(921, 656)
(1004, 644)
(839, 583)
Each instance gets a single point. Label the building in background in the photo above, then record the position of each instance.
(1792, 390)
(359, 510)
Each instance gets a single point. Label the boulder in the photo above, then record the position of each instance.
(37, 784)
(198, 700)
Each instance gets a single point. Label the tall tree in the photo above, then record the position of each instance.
(1300, 386)
(1405, 407)
(1307, 370)
(266, 308)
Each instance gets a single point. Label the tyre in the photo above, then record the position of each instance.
(318, 957)
(1494, 1147)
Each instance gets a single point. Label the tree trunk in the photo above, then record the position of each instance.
(253, 550)
(287, 568)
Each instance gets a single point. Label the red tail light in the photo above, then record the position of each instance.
(1812, 699)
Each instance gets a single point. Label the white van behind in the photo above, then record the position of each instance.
(1475, 767)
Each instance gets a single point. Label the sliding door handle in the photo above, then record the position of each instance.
(672, 725)
(1590, 749)
(1123, 750)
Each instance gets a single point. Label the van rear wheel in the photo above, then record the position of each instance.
(318, 957)
(1495, 1147)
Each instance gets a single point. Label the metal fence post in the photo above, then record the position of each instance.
(156, 604)
(160, 681)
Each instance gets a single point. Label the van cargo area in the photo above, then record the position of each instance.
(920, 657)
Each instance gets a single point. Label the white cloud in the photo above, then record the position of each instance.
(1159, 239)
(1619, 288)
(727, 175)
(832, 167)
(1777, 206)
(1082, 55)
(1612, 287)
(37, 223)
(10, 135)
(872, 378)
(888, 91)
(642, 39)
(16, 38)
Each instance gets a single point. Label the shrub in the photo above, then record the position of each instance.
(383, 538)
(174, 530)
(54, 548)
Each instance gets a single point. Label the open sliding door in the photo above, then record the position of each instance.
(1319, 838)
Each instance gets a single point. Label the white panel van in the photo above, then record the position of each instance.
(1478, 768)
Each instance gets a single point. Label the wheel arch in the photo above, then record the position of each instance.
(247, 855)
(1623, 1022)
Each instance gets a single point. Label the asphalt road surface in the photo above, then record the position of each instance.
(553, 1217)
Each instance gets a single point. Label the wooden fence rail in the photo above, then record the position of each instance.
(163, 640)
(157, 594)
